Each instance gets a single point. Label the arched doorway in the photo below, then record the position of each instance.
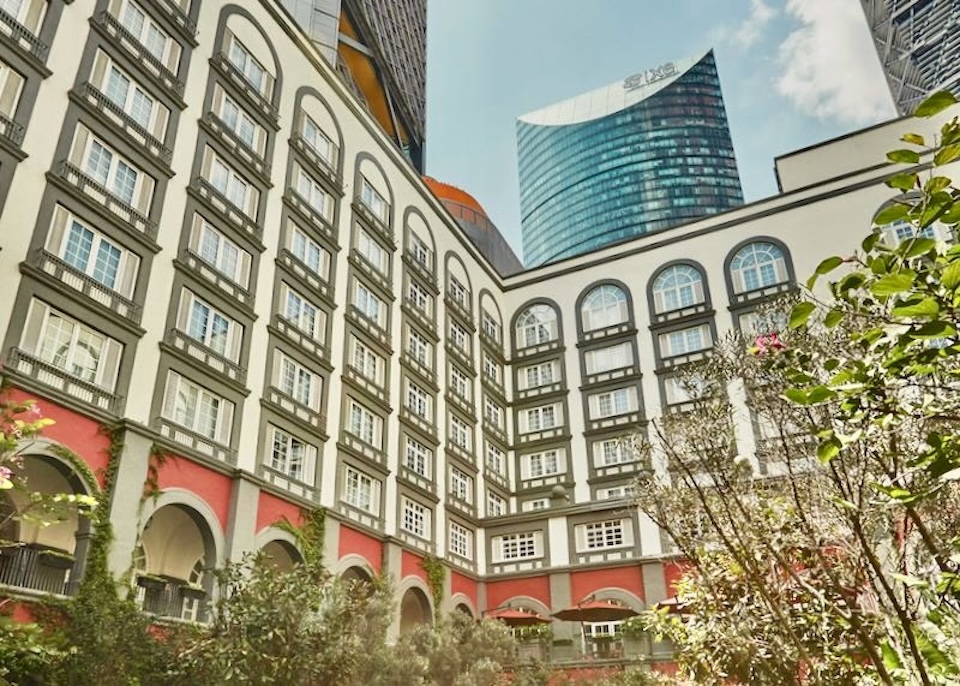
(414, 610)
(281, 556)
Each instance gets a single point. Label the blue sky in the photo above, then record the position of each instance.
(793, 73)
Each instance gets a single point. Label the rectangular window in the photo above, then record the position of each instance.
(120, 177)
(496, 505)
(685, 341)
(223, 254)
(310, 253)
(540, 418)
(460, 385)
(418, 458)
(421, 251)
(313, 193)
(365, 425)
(613, 403)
(521, 546)
(461, 541)
(493, 412)
(129, 96)
(491, 327)
(71, 346)
(370, 305)
(291, 456)
(361, 491)
(302, 313)
(252, 70)
(373, 252)
(230, 183)
(28, 13)
(458, 292)
(11, 85)
(459, 337)
(208, 326)
(611, 452)
(613, 533)
(419, 347)
(418, 400)
(298, 382)
(415, 519)
(538, 465)
(683, 390)
(535, 504)
(606, 359)
(318, 141)
(461, 433)
(92, 253)
(496, 460)
(537, 375)
(239, 121)
(418, 296)
(492, 369)
(149, 34)
(614, 492)
(461, 485)
(373, 201)
(368, 363)
(195, 408)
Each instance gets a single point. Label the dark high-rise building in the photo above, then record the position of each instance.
(641, 155)
(918, 42)
(379, 47)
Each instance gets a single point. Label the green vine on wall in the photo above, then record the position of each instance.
(311, 534)
(151, 486)
(436, 575)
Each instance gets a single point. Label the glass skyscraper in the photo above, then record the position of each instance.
(641, 155)
(918, 42)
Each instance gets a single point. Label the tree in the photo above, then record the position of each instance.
(831, 556)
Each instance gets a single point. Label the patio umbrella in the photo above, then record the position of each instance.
(595, 611)
(516, 616)
(671, 604)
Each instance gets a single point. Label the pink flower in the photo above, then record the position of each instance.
(5, 474)
(34, 413)
(769, 342)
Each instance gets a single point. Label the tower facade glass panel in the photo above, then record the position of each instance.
(641, 155)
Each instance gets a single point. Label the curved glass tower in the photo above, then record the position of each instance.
(640, 155)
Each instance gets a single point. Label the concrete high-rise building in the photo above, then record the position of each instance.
(640, 155)
(918, 42)
(379, 47)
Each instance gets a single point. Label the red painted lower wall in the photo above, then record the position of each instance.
(585, 583)
(358, 543)
(210, 486)
(271, 509)
(412, 565)
(499, 592)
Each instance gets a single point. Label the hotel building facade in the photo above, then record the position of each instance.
(223, 276)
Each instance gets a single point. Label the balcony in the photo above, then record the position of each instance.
(425, 372)
(36, 568)
(459, 309)
(11, 131)
(318, 163)
(236, 292)
(359, 447)
(372, 220)
(296, 266)
(104, 198)
(165, 596)
(236, 77)
(379, 334)
(238, 147)
(96, 291)
(233, 214)
(50, 375)
(368, 269)
(113, 28)
(89, 94)
(305, 341)
(424, 483)
(23, 38)
(421, 270)
(180, 19)
(288, 483)
(296, 409)
(194, 349)
(316, 220)
(196, 442)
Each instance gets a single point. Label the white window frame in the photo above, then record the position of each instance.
(421, 252)
(491, 326)
(541, 418)
(418, 401)
(542, 464)
(360, 490)
(227, 343)
(369, 304)
(603, 307)
(678, 287)
(313, 193)
(600, 360)
(297, 381)
(492, 369)
(461, 433)
(607, 534)
(613, 403)
(364, 424)
(317, 140)
(247, 64)
(308, 251)
(415, 518)
(282, 449)
(757, 266)
(526, 545)
(419, 297)
(460, 384)
(496, 504)
(169, 54)
(418, 458)
(373, 201)
(220, 252)
(241, 123)
(461, 485)
(373, 252)
(458, 292)
(231, 184)
(493, 412)
(366, 362)
(459, 337)
(419, 347)
(686, 341)
(536, 325)
(496, 460)
(220, 408)
(539, 375)
(461, 541)
(612, 451)
(299, 311)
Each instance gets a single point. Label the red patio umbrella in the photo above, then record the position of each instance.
(595, 611)
(516, 616)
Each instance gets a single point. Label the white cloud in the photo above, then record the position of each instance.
(747, 33)
(829, 64)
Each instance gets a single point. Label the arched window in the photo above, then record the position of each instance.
(756, 266)
(677, 287)
(536, 325)
(604, 306)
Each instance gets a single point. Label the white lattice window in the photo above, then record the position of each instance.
(415, 518)
(420, 251)
(313, 193)
(679, 390)
(520, 546)
(239, 121)
(603, 307)
(297, 381)
(756, 266)
(318, 141)
(92, 253)
(609, 358)
(373, 201)
(418, 400)
(536, 325)
(461, 485)
(28, 13)
(537, 375)
(491, 326)
(364, 424)
(129, 96)
(541, 418)
(11, 86)
(496, 505)
(373, 252)
(612, 533)
(460, 433)
(612, 451)
(252, 69)
(210, 327)
(460, 385)
(535, 505)
(613, 403)
(148, 33)
(419, 297)
(215, 249)
(615, 492)
(492, 369)
(417, 457)
(361, 490)
(71, 346)
(496, 460)
(369, 304)
(291, 456)
(539, 465)
(458, 292)
(308, 251)
(120, 177)
(493, 412)
(461, 541)
(685, 341)
(419, 347)
(459, 337)
(678, 287)
(195, 408)
(367, 363)
(302, 313)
